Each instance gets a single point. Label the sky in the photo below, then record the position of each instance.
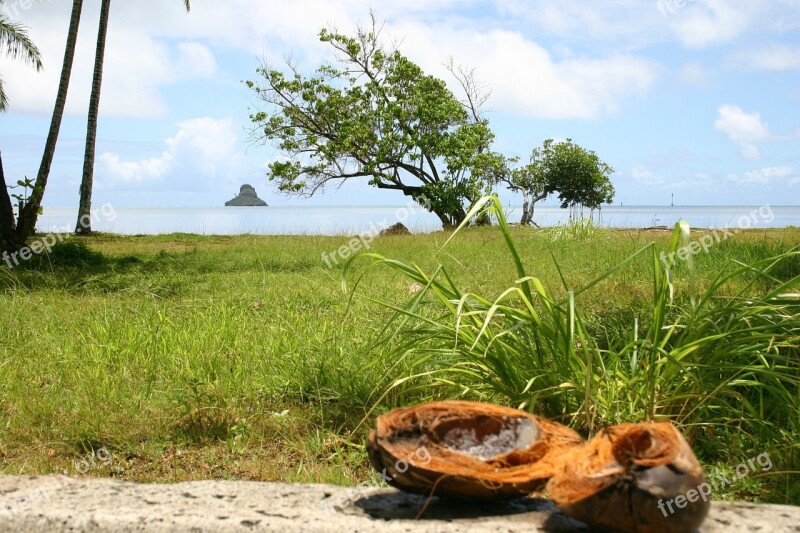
(699, 99)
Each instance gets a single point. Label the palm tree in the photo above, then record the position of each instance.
(84, 223)
(14, 234)
(15, 43)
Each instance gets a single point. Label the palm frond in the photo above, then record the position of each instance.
(15, 43)
(3, 97)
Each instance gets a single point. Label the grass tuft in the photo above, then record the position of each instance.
(716, 360)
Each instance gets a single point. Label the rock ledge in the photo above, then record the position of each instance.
(61, 504)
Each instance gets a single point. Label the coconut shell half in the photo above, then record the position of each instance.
(468, 450)
(638, 478)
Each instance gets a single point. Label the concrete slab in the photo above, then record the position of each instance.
(59, 504)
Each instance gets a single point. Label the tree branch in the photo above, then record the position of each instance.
(476, 94)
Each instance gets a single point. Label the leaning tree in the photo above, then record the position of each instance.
(16, 44)
(578, 175)
(376, 116)
(15, 232)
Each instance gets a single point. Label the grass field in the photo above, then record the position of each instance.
(192, 357)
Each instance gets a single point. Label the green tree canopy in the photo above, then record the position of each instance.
(578, 176)
(375, 116)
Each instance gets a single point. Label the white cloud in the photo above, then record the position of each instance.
(635, 24)
(202, 156)
(776, 57)
(646, 177)
(137, 65)
(610, 20)
(683, 178)
(536, 75)
(525, 78)
(743, 128)
(694, 74)
(255, 25)
(128, 172)
(765, 176)
(700, 24)
(750, 151)
(195, 60)
(524, 75)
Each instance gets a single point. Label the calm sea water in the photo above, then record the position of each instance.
(355, 220)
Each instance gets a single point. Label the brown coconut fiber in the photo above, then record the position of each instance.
(468, 450)
(638, 478)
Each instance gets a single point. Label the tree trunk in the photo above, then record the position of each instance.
(483, 220)
(450, 220)
(527, 209)
(528, 206)
(30, 213)
(8, 238)
(444, 219)
(84, 224)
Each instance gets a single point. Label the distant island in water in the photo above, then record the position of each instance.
(247, 198)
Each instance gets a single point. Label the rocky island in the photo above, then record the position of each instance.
(247, 198)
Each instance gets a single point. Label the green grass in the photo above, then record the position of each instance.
(193, 357)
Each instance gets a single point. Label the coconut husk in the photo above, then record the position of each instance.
(468, 450)
(623, 479)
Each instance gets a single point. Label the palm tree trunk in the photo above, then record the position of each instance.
(30, 213)
(84, 223)
(8, 237)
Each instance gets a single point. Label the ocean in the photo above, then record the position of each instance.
(360, 220)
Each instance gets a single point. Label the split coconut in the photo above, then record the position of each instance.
(632, 478)
(468, 450)
(638, 478)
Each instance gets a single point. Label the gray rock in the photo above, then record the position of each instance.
(247, 198)
(60, 504)
(396, 229)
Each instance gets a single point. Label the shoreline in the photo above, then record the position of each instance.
(542, 229)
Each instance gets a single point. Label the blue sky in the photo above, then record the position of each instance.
(696, 98)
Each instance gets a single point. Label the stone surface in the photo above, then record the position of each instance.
(247, 198)
(59, 504)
